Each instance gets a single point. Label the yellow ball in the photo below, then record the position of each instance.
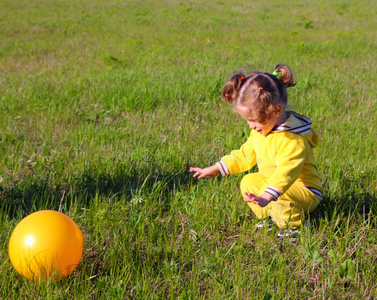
(46, 244)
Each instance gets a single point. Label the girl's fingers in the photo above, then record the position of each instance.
(202, 175)
(198, 174)
(250, 195)
(251, 200)
(197, 170)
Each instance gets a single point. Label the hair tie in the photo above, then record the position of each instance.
(275, 73)
(259, 89)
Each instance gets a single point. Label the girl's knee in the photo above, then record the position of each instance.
(245, 184)
(252, 183)
(255, 184)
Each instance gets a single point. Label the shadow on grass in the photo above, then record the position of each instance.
(349, 203)
(33, 195)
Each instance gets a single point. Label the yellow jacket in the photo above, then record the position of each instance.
(284, 156)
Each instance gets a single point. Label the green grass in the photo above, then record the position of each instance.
(105, 106)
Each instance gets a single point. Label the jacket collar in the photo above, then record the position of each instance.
(295, 123)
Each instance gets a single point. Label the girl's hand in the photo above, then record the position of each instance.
(207, 172)
(262, 201)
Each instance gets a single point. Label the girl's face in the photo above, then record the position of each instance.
(265, 128)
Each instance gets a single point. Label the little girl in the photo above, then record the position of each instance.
(281, 143)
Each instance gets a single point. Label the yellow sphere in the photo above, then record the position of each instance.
(46, 244)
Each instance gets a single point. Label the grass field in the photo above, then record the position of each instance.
(106, 104)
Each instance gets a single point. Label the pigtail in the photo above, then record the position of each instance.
(232, 88)
(286, 76)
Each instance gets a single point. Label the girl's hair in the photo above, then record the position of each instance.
(259, 91)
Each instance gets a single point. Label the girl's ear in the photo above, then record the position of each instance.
(278, 110)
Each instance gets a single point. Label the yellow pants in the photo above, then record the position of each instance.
(290, 208)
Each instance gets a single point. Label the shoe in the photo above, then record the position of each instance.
(290, 235)
(265, 223)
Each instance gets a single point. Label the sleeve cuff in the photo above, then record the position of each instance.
(273, 191)
(224, 171)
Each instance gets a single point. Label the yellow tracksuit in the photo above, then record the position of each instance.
(287, 170)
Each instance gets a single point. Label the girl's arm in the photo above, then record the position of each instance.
(206, 172)
(241, 160)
